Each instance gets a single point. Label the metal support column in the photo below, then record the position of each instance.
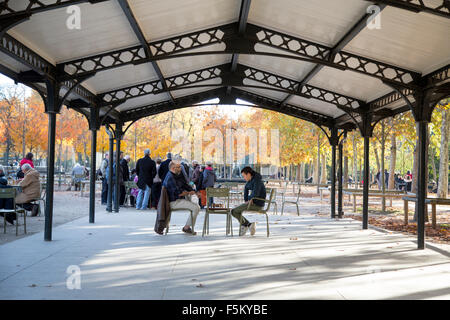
(110, 171)
(366, 183)
(50, 176)
(117, 163)
(52, 106)
(92, 175)
(340, 170)
(421, 187)
(333, 141)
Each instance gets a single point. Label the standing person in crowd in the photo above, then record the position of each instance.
(195, 178)
(408, 180)
(386, 178)
(157, 184)
(209, 178)
(134, 191)
(78, 174)
(146, 172)
(177, 189)
(121, 185)
(256, 185)
(31, 189)
(103, 168)
(378, 180)
(126, 176)
(164, 167)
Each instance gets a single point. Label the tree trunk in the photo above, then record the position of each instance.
(443, 162)
(375, 150)
(355, 159)
(323, 179)
(345, 172)
(393, 160)
(432, 155)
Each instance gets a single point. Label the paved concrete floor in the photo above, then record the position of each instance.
(306, 257)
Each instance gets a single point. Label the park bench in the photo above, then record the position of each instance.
(373, 193)
(433, 201)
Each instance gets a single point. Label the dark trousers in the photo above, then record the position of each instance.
(156, 193)
(122, 195)
(104, 191)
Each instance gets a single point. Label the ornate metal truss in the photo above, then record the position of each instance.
(229, 79)
(235, 43)
(228, 98)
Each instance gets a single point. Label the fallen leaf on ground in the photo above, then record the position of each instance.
(293, 238)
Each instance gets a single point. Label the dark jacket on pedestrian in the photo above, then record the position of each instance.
(209, 178)
(162, 211)
(258, 190)
(125, 170)
(146, 171)
(197, 177)
(164, 169)
(114, 175)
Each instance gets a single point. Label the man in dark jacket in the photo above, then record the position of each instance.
(258, 190)
(209, 178)
(164, 167)
(146, 172)
(177, 189)
(126, 176)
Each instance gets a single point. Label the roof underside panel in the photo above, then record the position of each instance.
(142, 101)
(316, 106)
(350, 83)
(103, 27)
(322, 21)
(161, 19)
(116, 78)
(410, 40)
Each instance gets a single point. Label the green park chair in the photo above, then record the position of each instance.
(10, 193)
(291, 201)
(262, 210)
(219, 194)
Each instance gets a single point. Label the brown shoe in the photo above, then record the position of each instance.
(188, 230)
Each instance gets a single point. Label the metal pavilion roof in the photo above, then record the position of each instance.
(315, 60)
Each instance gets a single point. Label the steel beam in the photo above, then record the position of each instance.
(228, 34)
(243, 17)
(140, 35)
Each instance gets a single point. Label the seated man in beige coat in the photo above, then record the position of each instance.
(31, 189)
